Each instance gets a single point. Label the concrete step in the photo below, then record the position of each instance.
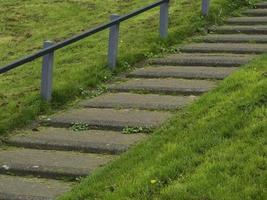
(261, 5)
(225, 48)
(165, 86)
(187, 72)
(203, 59)
(254, 30)
(109, 118)
(89, 141)
(50, 164)
(21, 188)
(138, 101)
(234, 38)
(255, 12)
(247, 21)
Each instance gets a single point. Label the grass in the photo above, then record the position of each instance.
(82, 66)
(135, 130)
(213, 150)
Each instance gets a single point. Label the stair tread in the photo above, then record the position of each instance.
(14, 187)
(191, 72)
(50, 163)
(204, 59)
(253, 29)
(139, 101)
(256, 12)
(168, 85)
(247, 20)
(261, 5)
(109, 118)
(242, 27)
(234, 38)
(92, 141)
(225, 48)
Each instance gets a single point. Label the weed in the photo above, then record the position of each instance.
(79, 126)
(135, 130)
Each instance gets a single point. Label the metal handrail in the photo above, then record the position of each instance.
(76, 38)
(205, 7)
(49, 47)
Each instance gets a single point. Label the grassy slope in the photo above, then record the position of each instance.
(80, 66)
(213, 150)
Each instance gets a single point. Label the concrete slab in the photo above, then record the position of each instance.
(255, 12)
(247, 21)
(203, 59)
(225, 48)
(234, 38)
(109, 118)
(166, 86)
(15, 188)
(254, 30)
(50, 164)
(261, 5)
(138, 101)
(187, 72)
(91, 141)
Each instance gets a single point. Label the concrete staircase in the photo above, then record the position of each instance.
(42, 163)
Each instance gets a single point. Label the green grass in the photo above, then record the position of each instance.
(213, 150)
(24, 25)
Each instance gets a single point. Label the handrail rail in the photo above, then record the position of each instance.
(79, 37)
(49, 47)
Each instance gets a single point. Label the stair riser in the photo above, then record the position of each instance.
(261, 6)
(24, 171)
(152, 108)
(93, 127)
(176, 76)
(250, 31)
(237, 41)
(245, 23)
(85, 149)
(205, 64)
(155, 91)
(4, 196)
(255, 14)
(243, 51)
(90, 126)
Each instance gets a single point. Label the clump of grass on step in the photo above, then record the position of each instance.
(79, 126)
(135, 130)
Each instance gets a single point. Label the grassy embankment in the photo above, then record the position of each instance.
(80, 67)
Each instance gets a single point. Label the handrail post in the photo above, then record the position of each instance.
(47, 74)
(113, 42)
(164, 19)
(205, 7)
